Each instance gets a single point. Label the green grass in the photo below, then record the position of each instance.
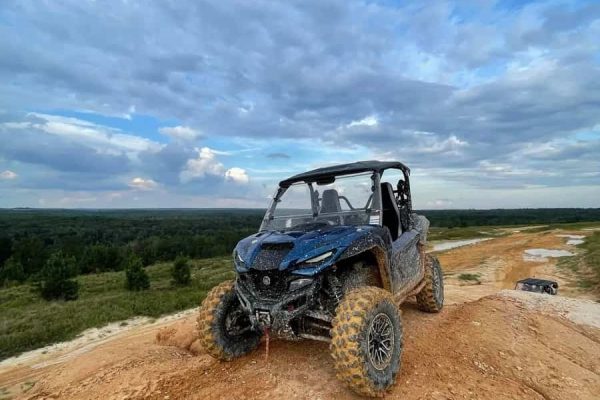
(471, 232)
(468, 277)
(566, 226)
(586, 265)
(591, 256)
(28, 322)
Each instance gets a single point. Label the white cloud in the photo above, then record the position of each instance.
(184, 133)
(8, 175)
(371, 120)
(440, 203)
(103, 139)
(205, 164)
(238, 175)
(451, 145)
(142, 184)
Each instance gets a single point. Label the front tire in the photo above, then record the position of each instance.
(366, 340)
(224, 330)
(431, 297)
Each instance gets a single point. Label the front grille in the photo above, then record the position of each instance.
(277, 287)
(270, 256)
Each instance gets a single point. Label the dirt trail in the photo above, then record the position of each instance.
(500, 264)
(503, 346)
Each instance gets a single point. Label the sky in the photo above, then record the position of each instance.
(117, 104)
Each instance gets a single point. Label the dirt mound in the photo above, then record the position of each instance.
(181, 334)
(497, 347)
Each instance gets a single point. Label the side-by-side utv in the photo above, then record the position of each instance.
(338, 251)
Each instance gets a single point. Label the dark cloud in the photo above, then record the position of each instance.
(32, 146)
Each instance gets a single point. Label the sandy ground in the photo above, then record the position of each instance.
(503, 261)
(487, 343)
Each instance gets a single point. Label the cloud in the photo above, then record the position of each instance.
(68, 146)
(184, 133)
(282, 156)
(142, 184)
(440, 203)
(205, 164)
(479, 94)
(366, 121)
(237, 175)
(8, 175)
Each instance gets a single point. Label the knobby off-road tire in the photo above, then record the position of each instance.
(218, 309)
(431, 297)
(353, 330)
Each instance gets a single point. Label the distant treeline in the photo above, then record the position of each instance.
(102, 240)
(521, 216)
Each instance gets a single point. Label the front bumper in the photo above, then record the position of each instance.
(276, 314)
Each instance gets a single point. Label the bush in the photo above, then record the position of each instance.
(181, 271)
(136, 277)
(55, 278)
(469, 277)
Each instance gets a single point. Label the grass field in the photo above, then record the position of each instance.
(471, 232)
(586, 265)
(28, 322)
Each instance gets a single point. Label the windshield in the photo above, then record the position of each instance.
(347, 200)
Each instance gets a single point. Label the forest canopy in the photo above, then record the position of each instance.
(103, 240)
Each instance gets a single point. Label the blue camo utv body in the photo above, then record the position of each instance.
(338, 251)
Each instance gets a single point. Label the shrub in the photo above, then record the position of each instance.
(136, 277)
(468, 277)
(55, 278)
(181, 271)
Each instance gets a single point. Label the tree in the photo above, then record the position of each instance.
(31, 253)
(56, 278)
(181, 271)
(12, 271)
(5, 249)
(136, 277)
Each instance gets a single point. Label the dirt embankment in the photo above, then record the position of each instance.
(502, 346)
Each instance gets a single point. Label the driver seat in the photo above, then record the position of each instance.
(330, 202)
(391, 215)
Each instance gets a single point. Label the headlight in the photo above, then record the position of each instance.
(237, 257)
(320, 258)
(300, 283)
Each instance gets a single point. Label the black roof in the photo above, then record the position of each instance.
(537, 282)
(344, 169)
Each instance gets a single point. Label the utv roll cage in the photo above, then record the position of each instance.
(537, 285)
(393, 205)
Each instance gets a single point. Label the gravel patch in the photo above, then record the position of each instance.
(542, 255)
(579, 311)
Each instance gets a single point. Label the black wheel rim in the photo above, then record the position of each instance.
(237, 323)
(381, 341)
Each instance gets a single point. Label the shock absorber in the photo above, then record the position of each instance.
(336, 288)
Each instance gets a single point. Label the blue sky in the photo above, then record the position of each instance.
(493, 104)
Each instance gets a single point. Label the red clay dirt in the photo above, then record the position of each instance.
(491, 348)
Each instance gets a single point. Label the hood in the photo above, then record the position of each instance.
(283, 250)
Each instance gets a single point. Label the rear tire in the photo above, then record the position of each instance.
(224, 329)
(431, 297)
(366, 343)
